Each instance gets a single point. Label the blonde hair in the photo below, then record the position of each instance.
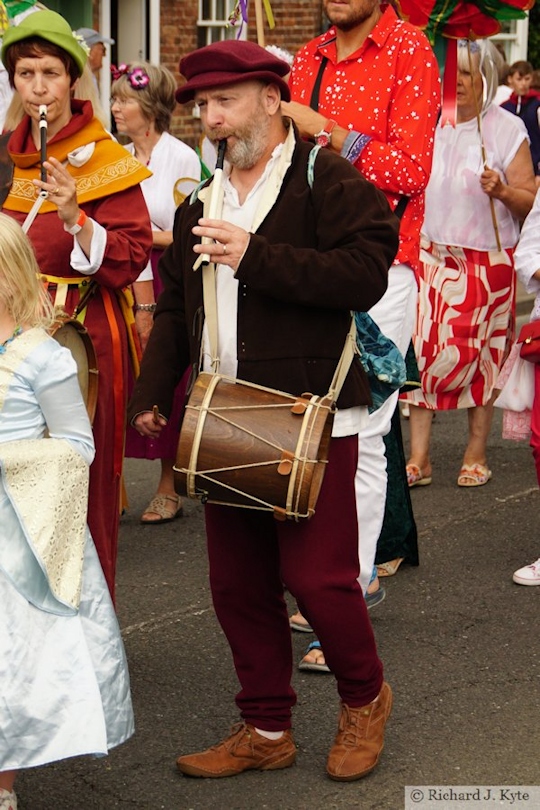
(157, 100)
(86, 90)
(14, 113)
(487, 60)
(21, 290)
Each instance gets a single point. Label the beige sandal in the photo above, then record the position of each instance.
(388, 569)
(162, 505)
(473, 475)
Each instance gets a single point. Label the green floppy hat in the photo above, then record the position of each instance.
(50, 26)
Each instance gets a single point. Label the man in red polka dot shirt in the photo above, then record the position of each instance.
(369, 90)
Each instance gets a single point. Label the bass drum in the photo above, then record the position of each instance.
(74, 336)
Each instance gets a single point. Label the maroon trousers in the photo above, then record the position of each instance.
(252, 556)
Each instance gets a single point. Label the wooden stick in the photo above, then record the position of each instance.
(260, 22)
(483, 148)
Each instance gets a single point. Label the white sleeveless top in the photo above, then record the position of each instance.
(457, 210)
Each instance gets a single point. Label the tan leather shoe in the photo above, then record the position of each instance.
(243, 750)
(360, 738)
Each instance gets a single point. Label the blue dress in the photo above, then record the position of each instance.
(64, 683)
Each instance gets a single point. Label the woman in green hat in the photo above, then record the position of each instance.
(91, 233)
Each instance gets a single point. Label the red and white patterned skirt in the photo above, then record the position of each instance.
(465, 324)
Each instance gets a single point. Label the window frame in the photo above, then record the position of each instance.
(514, 41)
(213, 28)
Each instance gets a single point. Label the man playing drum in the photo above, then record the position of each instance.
(293, 258)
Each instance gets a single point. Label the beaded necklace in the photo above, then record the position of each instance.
(17, 331)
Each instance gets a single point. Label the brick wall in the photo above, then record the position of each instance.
(297, 21)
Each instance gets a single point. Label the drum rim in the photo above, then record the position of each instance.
(92, 370)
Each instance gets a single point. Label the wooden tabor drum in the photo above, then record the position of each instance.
(74, 336)
(248, 446)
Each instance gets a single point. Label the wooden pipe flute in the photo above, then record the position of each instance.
(215, 199)
(43, 143)
(42, 196)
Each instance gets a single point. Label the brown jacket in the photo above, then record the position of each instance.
(321, 252)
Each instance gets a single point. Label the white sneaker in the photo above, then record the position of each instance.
(8, 801)
(529, 574)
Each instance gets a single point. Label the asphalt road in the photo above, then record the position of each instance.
(459, 641)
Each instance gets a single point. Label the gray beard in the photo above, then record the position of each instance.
(246, 153)
(251, 144)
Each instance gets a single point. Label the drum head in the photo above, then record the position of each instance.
(73, 336)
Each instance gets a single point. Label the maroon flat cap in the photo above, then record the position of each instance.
(229, 62)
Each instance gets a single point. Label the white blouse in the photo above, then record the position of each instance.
(457, 210)
(175, 169)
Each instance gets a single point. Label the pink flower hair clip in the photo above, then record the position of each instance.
(137, 77)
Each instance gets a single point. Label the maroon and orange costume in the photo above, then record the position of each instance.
(108, 191)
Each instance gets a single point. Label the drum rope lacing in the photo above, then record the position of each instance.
(299, 460)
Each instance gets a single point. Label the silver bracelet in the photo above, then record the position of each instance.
(145, 307)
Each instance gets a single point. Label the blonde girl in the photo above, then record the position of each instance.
(23, 298)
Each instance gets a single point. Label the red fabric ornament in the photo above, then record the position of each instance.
(462, 20)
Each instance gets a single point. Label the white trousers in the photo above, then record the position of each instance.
(395, 315)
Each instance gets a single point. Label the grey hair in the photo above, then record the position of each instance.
(486, 58)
